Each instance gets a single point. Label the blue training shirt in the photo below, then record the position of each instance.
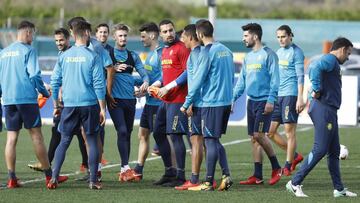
(123, 84)
(193, 65)
(325, 78)
(96, 46)
(79, 73)
(153, 69)
(20, 75)
(291, 70)
(259, 75)
(214, 76)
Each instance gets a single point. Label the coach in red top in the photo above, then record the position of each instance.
(169, 120)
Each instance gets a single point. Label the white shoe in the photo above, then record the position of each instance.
(296, 190)
(344, 193)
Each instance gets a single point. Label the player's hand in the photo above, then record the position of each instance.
(57, 112)
(300, 105)
(102, 117)
(111, 101)
(144, 87)
(189, 111)
(315, 95)
(183, 110)
(120, 67)
(163, 91)
(268, 108)
(48, 88)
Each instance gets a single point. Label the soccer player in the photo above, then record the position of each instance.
(149, 34)
(62, 41)
(290, 97)
(20, 82)
(214, 77)
(191, 41)
(170, 121)
(260, 77)
(123, 92)
(80, 75)
(325, 77)
(102, 34)
(104, 59)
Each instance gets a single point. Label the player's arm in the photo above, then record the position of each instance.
(99, 87)
(273, 66)
(56, 83)
(181, 80)
(142, 72)
(299, 68)
(240, 84)
(34, 72)
(316, 68)
(199, 78)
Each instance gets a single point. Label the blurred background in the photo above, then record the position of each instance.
(315, 23)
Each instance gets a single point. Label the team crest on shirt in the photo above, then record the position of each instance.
(329, 126)
(171, 52)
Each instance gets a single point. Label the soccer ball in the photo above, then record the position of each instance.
(344, 152)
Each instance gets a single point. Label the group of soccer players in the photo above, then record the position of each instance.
(188, 84)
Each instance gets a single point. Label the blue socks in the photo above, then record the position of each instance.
(212, 154)
(258, 170)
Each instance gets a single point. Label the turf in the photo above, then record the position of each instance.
(317, 185)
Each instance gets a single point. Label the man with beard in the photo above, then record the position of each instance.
(260, 77)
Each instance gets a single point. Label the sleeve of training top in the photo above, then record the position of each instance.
(56, 80)
(34, 72)
(137, 80)
(107, 61)
(299, 65)
(140, 67)
(200, 75)
(183, 56)
(240, 84)
(273, 64)
(324, 64)
(182, 79)
(98, 79)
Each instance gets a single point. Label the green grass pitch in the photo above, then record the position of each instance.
(317, 185)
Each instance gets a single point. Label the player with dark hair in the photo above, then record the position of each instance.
(260, 77)
(325, 77)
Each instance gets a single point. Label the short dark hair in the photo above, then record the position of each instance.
(80, 27)
(62, 31)
(165, 22)
(204, 27)
(74, 20)
(287, 29)
(253, 28)
(25, 25)
(341, 42)
(149, 27)
(190, 30)
(121, 26)
(102, 25)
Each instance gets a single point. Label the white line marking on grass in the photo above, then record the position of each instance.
(155, 158)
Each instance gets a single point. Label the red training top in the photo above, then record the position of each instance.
(173, 62)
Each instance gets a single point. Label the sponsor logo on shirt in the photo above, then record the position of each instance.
(77, 59)
(284, 63)
(254, 66)
(10, 54)
(148, 67)
(166, 62)
(221, 54)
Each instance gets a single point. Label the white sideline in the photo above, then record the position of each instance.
(155, 158)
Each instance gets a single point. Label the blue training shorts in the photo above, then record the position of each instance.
(18, 114)
(215, 120)
(285, 110)
(256, 119)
